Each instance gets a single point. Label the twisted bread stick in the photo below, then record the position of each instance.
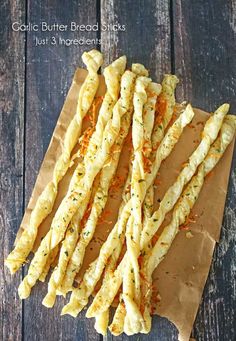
(105, 296)
(111, 132)
(165, 108)
(50, 261)
(101, 323)
(210, 133)
(93, 60)
(79, 297)
(153, 88)
(117, 325)
(86, 291)
(139, 70)
(148, 204)
(164, 111)
(133, 324)
(102, 320)
(72, 200)
(99, 203)
(163, 151)
(43, 253)
(131, 272)
(134, 318)
(211, 130)
(107, 174)
(112, 75)
(216, 151)
(66, 251)
(126, 191)
(181, 212)
(53, 254)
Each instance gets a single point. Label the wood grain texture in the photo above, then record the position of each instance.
(49, 72)
(196, 40)
(204, 52)
(205, 47)
(12, 82)
(146, 38)
(216, 316)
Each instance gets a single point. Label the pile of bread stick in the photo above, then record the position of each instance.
(133, 101)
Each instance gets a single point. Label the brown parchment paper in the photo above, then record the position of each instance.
(181, 276)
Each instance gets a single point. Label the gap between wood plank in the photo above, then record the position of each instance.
(24, 161)
(172, 38)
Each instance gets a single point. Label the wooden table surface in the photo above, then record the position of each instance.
(193, 39)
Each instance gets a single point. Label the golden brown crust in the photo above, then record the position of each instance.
(45, 202)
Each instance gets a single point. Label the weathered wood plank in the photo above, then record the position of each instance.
(49, 74)
(11, 169)
(204, 43)
(216, 316)
(146, 40)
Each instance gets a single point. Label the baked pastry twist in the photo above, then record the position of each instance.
(86, 291)
(79, 297)
(77, 195)
(181, 211)
(93, 60)
(131, 273)
(98, 205)
(210, 132)
(112, 74)
(164, 112)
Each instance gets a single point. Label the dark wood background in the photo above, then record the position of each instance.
(195, 40)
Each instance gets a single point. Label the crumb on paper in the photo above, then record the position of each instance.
(192, 126)
(200, 123)
(189, 284)
(189, 235)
